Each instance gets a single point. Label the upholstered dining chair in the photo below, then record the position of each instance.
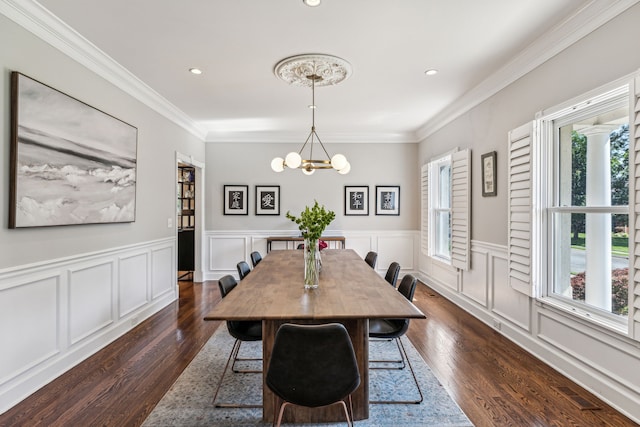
(371, 258)
(255, 258)
(312, 366)
(241, 330)
(392, 273)
(243, 269)
(395, 329)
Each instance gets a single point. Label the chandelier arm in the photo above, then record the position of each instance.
(322, 145)
(305, 143)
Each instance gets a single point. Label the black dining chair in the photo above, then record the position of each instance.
(242, 330)
(312, 366)
(392, 273)
(255, 258)
(243, 269)
(371, 258)
(395, 329)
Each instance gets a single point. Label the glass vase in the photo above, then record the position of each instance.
(311, 263)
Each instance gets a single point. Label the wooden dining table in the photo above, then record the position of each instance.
(350, 292)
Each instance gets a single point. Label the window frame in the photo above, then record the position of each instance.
(546, 198)
(435, 208)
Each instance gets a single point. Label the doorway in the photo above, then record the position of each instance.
(189, 218)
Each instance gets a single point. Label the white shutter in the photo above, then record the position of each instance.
(424, 229)
(634, 193)
(520, 209)
(460, 209)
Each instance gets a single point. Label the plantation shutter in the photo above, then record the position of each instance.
(424, 237)
(520, 209)
(460, 209)
(634, 139)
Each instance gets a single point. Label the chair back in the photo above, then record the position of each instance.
(312, 365)
(392, 273)
(407, 286)
(371, 259)
(226, 284)
(255, 258)
(243, 269)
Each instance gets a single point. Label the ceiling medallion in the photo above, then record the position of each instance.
(296, 69)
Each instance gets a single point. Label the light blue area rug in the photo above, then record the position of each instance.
(189, 402)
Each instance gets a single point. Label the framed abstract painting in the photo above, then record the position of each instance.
(70, 163)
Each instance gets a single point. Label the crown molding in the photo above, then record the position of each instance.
(590, 17)
(32, 16)
(288, 137)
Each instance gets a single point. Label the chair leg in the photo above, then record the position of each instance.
(283, 403)
(245, 359)
(348, 410)
(415, 380)
(401, 360)
(234, 351)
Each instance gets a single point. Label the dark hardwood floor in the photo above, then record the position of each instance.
(494, 381)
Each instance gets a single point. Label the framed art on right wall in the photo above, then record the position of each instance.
(489, 174)
(387, 200)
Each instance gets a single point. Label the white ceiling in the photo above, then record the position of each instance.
(475, 45)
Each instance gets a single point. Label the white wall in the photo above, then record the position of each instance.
(66, 292)
(604, 362)
(230, 239)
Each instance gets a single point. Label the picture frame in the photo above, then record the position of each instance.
(267, 200)
(356, 200)
(388, 200)
(489, 184)
(235, 199)
(62, 149)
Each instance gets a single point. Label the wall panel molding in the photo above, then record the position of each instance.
(595, 358)
(225, 248)
(72, 307)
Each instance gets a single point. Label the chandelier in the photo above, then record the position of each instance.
(312, 70)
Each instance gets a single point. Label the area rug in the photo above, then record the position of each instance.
(189, 402)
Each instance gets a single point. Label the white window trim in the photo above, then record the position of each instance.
(460, 161)
(542, 202)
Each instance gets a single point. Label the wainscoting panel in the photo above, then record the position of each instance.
(225, 248)
(224, 252)
(508, 303)
(398, 248)
(90, 300)
(163, 271)
(595, 349)
(134, 282)
(475, 281)
(57, 313)
(30, 308)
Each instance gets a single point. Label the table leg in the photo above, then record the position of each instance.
(359, 332)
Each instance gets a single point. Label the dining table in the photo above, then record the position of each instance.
(349, 292)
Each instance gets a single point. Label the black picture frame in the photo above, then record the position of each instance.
(267, 200)
(236, 200)
(388, 200)
(356, 200)
(489, 170)
(82, 155)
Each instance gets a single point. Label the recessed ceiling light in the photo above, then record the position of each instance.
(311, 3)
(431, 72)
(195, 70)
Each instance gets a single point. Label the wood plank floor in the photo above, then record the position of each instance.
(494, 381)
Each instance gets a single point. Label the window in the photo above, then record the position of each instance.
(581, 189)
(440, 212)
(445, 209)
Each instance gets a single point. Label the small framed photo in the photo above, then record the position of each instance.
(235, 199)
(387, 200)
(356, 200)
(489, 187)
(267, 200)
